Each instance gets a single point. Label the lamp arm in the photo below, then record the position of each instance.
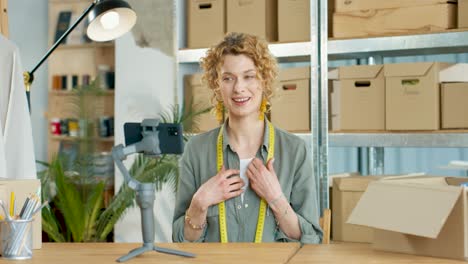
(120, 153)
(29, 76)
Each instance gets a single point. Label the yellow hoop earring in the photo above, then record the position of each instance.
(219, 111)
(263, 108)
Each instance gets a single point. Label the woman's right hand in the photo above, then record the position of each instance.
(223, 186)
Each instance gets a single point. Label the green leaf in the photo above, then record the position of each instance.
(50, 226)
(68, 201)
(93, 206)
(116, 208)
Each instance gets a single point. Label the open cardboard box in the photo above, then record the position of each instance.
(422, 215)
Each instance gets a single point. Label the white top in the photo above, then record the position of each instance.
(17, 159)
(243, 164)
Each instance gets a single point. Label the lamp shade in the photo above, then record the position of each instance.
(110, 19)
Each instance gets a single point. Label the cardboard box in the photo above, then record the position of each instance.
(331, 10)
(412, 95)
(462, 13)
(331, 179)
(205, 22)
(417, 215)
(293, 93)
(333, 99)
(346, 193)
(256, 17)
(293, 20)
(454, 73)
(22, 189)
(374, 22)
(200, 97)
(454, 104)
(358, 99)
(356, 5)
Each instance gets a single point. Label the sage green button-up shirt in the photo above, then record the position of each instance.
(293, 166)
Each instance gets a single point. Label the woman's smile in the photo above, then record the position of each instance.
(241, 101)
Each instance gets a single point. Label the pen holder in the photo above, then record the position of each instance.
(16, 239)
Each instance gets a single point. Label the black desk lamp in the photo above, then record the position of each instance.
(108, 20)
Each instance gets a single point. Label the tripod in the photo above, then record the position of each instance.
(145, 200)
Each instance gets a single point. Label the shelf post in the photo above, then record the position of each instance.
(319, 98)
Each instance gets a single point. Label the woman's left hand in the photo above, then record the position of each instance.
(263, 180)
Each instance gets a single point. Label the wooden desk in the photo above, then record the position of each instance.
(101, 253)
(359, 254)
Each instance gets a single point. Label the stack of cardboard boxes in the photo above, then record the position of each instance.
(362, 18)
(400, 97)
(289, 20)
(284, 21)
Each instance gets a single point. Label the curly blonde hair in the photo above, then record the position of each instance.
(237, 44)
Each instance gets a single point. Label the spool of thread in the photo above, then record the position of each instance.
(74, 81)
(64, 82)
(56, 82)
(73, 127)
(55, 126)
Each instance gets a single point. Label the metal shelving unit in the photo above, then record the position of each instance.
(390, 46)
(410, 140)
(319, 51)
(285, 52)
(341, 49)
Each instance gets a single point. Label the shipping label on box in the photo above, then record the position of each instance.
(293, 20)
(259, 18)
(356, 5)
(205, 22)
(293, 93)
(454, 105)
(199, 96)
(23, 189)
(412, 95)
(360, 97)
(374, 22)
(423, 215)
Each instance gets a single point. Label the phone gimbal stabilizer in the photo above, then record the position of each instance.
(151, 138)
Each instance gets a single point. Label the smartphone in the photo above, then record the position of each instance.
(170, 136)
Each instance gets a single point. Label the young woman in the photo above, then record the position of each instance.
(247, 180)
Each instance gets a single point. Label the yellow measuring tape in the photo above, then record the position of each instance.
(263, 204)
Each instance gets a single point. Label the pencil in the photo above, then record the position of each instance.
(24, 207)
(12, 204)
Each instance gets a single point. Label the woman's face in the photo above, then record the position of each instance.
(240, 88)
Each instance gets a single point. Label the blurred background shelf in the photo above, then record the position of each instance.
(68, 138)
(68, 92)
(90, 45)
